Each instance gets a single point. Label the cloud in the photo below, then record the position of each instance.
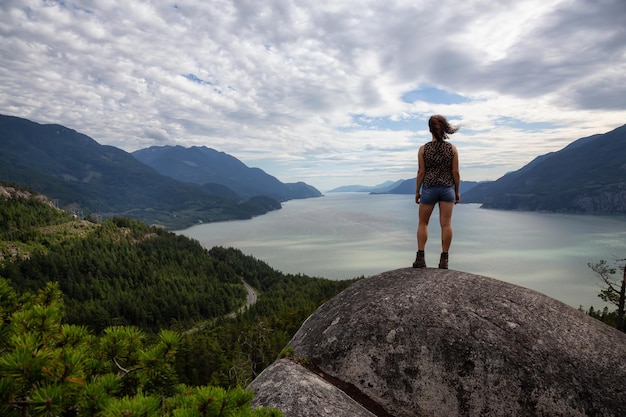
(327, 92)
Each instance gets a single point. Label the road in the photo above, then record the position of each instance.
(252, 296)
(250, 300)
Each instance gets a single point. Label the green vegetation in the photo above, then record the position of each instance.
(232, 351)
(126, 273)
(614, 291)
(583, 177)
(86, 177)
(605, 315)
(126, 313)
(48, 368)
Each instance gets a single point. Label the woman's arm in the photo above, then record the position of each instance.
(421, 170)
(456, 174)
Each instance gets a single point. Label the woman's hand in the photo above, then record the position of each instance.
(417, 198)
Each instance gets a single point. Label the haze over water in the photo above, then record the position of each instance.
(348, 235)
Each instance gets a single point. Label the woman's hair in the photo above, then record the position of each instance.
(440, 128)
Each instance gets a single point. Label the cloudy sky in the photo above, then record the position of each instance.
(330, 92)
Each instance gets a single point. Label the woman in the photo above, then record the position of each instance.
(438, 181)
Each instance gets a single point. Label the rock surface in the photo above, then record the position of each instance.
(429, 342)
(300, 392)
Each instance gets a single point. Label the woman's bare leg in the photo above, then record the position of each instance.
(425, 210)
(445, 220)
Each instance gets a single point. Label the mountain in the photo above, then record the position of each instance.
(83, 176)
(380, 188)
(207, 167)
(408, 187)
(587, 176)
(393, 187)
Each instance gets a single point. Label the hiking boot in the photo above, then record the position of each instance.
(443, 261)
(420, 261)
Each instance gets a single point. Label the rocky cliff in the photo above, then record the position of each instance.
(587, 176)
(429, 342)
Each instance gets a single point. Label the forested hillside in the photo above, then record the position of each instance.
(52, 369)
(123, 272)
(119, 271)
(587, 176)
(208, 168)
(84, 176)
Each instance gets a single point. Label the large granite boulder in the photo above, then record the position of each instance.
(298, 391)
(430, 342)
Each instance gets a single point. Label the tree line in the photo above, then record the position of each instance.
(48, 368)
(233, 351)
(123, 280)
(613, 291)
(122, 274)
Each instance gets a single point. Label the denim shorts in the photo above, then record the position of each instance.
(431, 195)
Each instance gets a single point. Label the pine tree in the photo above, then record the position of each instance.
(50, 369)
(615, 290)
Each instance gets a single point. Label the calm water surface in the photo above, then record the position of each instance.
(353, 234)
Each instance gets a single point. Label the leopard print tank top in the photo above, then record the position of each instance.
(438, 157)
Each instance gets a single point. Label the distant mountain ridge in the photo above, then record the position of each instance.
(206, 167)
(408, 187)
(82, 175)
(394, 187)
(587, 176)
(380, 188)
